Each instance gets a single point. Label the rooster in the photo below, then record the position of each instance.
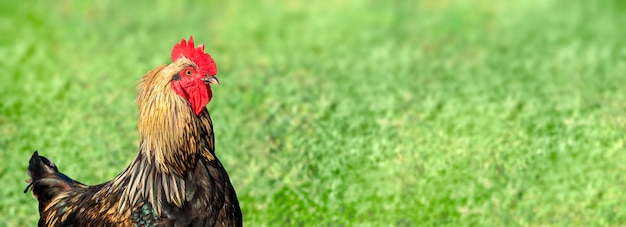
(175, 179)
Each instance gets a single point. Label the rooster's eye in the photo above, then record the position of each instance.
(188, 72)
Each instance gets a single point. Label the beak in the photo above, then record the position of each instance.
(211, 80)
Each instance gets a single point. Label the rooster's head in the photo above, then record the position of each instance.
(192, 82)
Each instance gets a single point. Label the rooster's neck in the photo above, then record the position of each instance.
(174, 141)
(168, 155)
(171, 135)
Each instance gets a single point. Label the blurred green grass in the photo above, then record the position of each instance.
(405, 113)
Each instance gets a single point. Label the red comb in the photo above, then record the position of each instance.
(195, 54)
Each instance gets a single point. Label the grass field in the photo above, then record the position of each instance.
(341, 113)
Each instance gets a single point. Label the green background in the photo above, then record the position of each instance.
(343, 112)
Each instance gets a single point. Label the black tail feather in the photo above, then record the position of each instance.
(46, 182)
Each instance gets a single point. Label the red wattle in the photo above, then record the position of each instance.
(196, 92)
(198, 96)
